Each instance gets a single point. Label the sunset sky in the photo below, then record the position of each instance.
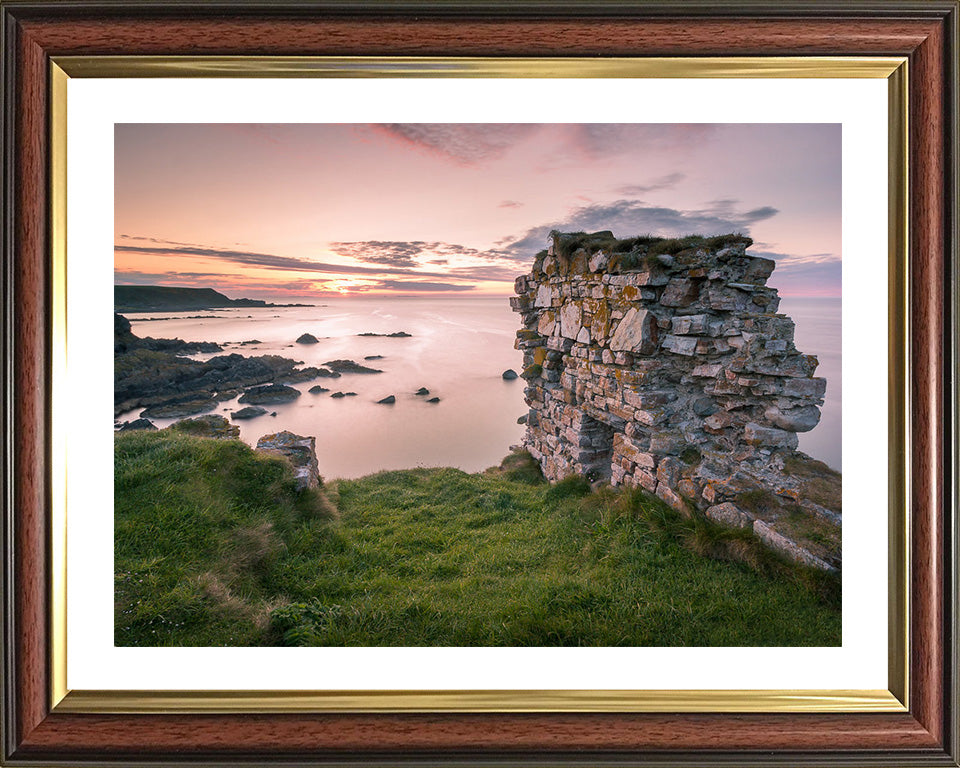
(303, 211)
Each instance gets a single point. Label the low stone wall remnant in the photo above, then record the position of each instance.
(664, 364)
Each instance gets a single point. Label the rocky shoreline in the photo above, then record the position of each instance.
(158, 377)
(153, 374)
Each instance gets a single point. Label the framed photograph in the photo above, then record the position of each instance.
(476, 383)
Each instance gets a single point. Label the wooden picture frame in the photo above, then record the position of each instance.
(38, 732)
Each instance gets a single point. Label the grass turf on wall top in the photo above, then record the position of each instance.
(631, 254)
(637, 252)
(215, 547)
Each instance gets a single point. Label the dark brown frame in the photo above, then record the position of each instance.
(925, 32)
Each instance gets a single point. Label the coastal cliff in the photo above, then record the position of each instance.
(162, 298)
(155, 374)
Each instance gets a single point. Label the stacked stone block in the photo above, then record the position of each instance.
(665, 369)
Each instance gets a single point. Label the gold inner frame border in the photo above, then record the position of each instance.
(894, 699)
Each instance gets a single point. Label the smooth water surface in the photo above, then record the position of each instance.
(818, 333)
(458, 350)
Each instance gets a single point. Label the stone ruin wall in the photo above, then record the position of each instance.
(677, 376)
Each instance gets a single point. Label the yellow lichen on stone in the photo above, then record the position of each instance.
(600, 327)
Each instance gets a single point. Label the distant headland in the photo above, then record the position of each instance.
(161, 298)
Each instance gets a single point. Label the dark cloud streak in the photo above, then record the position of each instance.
(663, 182)
(403, 253)
(136, 277)
(283, 263)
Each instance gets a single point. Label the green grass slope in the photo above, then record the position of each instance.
(215, 547)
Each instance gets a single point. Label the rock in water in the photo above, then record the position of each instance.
(343, 394)
(434, 400)
(422, 391)
(348, 366)
(145, 377)
(295, 377)
(136, 424)
(388, 400)
(210, 425)
(250, 412)
(299, 451)
(124, 341)
(317, 389)
(181, 406)
(510, 374)
(270, 393)
(307, 338)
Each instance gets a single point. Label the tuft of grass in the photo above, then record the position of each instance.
(719, 241)
(759, 502)
(213, 547)
(690, 456)
(568, 243)
(519, 466)
(628, 244)
(638, 260)
(675, 245)
(572, 486)
(707, 539)
(670, 246)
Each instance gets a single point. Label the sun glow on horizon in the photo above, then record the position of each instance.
(345, 287)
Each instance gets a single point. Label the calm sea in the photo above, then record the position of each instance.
(458, 350)
(818, 333)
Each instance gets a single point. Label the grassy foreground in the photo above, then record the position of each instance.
(213, 546)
